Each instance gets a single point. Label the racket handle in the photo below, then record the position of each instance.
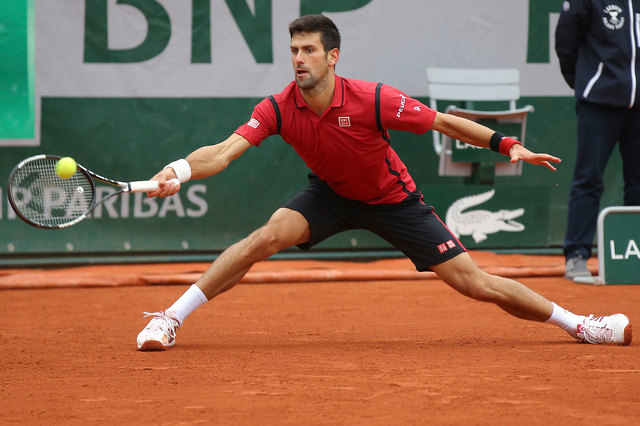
(148, 185)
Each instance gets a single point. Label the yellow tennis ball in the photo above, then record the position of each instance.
(66, 167)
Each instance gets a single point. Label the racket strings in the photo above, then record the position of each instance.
(45, 198)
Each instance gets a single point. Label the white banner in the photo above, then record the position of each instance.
(386, 40)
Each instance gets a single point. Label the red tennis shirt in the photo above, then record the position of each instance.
(348, 146)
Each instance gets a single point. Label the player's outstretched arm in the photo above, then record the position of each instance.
(212, 159)
(203, 162)
(476, 134)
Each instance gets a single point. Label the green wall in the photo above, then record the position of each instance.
(130, 139)
(125, 112)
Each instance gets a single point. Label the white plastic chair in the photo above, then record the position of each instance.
(476, 85)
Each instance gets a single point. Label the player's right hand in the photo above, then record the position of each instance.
(168, 184)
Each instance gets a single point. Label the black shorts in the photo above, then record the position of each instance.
(410, 226)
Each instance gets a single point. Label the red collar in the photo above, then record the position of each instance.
(338, 95)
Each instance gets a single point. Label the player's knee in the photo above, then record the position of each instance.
(264, 242)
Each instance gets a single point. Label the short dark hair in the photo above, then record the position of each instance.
(329, 34)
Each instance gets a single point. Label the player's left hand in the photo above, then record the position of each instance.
(519, 152)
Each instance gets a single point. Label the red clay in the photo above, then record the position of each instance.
(384, 352)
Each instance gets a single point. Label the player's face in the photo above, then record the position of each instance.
(310, 62)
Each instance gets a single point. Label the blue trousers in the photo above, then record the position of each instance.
(600, 128)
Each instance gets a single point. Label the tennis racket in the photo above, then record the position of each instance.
(43, 199)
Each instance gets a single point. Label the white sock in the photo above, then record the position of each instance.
(566, 320)
(191, 300)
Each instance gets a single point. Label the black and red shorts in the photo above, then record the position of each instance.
(410, 226)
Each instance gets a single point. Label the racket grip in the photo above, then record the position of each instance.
(148, 185)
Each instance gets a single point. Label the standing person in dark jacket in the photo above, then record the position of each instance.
(598, 45)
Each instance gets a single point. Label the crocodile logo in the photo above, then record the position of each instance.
(480, 223)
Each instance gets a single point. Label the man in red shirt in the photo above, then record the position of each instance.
(338, 127)
(355, 146)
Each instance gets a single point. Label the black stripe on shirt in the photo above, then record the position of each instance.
(397, 174)
(276, 108)
(378, 118)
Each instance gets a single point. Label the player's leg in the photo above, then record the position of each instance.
(462, 274)
(284, 229)
(310, 217)
(413, 228)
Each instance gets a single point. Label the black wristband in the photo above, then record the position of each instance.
(494, 143)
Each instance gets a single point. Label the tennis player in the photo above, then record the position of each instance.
(338, 126)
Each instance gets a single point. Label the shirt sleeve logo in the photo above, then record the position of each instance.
(344, 121)
(403, 100)
(253, 123)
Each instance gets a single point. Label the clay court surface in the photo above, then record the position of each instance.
(335, 349)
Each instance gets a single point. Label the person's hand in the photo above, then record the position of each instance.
(168, 184)
(519, 152)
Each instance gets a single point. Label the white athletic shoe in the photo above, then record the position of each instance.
(159, 334)
(614, 329)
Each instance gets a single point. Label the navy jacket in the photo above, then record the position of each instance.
(598, 45)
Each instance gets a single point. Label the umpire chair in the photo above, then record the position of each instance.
(471, 88)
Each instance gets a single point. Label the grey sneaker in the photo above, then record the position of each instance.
(576, 267)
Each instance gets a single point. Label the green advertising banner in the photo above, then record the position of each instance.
(126, 87)
(501, 216)
(16, 70)
(619, 245)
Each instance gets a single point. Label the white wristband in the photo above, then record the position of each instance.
(181, 168)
